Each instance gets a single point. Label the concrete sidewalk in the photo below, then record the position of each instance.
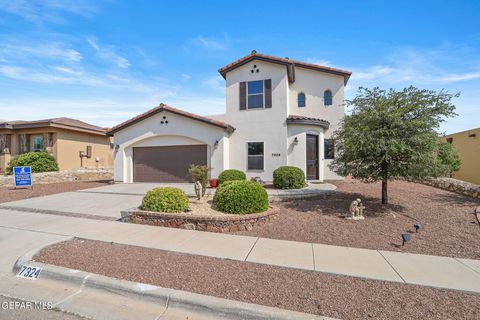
(99, 297)
(434, 271)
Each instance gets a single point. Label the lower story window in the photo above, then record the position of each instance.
(329, 149)
(255, 156)
(38, 143)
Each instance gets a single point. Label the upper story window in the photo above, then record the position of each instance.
(38, 143)
(256, 94)
(327, 98)
(301, 100)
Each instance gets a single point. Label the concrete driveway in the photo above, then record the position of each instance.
(103, 203)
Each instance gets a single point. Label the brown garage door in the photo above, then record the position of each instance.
(166, 164)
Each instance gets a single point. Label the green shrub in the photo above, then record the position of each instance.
(199, 173)
(167, 199)
(39, 161)
(231, 175)
(241, 197)
(288, 177)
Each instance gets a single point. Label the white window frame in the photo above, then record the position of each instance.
(264, 153)
(257, 94)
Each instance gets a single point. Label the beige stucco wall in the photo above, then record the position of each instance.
(66, 147)
(179, 131)
(70, 143)
(468, 149)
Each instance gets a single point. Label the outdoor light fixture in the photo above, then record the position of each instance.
(417, 227)
(215, 144)
(117, 147)
(405, 237)
(295, 141)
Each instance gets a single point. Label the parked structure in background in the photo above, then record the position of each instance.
(467, 144)
(278, 112)
(66, 139)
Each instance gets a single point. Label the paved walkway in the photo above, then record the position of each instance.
(106, 202)
(442, 272)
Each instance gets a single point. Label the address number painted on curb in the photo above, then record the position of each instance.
(29, 272)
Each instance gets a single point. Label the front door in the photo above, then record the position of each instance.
(312, 157)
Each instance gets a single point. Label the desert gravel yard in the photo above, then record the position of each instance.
(447, 219)
(8, 194)
(312, 292)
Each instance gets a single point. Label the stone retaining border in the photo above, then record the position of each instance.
(82, 174)
(211, 223)
(458, 186)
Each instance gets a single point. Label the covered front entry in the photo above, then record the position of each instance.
(312, 157)
(166, 163)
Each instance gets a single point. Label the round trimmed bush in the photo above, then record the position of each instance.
(288, 177)
(167, 199)
(241, 197)
(39, 161)
(231, 175)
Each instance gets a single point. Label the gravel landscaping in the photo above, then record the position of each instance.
(8, 194)
(449, 227)
(306, 291)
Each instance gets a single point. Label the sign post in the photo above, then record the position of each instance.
(22, 177)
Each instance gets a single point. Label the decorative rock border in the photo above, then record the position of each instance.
(458, 186)
(80, 174)
(212, 223)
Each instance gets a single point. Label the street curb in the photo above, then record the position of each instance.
(28, 256)
(206, 305)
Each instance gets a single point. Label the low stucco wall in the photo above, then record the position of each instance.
(65, 176)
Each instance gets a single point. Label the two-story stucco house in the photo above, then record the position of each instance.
(278, 112)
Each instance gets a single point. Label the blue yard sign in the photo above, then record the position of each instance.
(22, 176)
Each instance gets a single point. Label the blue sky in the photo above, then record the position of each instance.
(106, 61)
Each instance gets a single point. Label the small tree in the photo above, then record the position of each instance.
(392, 134)
(199, 173)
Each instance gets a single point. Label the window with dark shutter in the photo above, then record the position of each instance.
(268, 93)
(243, 95)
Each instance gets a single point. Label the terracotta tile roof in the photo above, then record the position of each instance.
(67, 123)
(296, 119)
(164, 107)
(291, 64)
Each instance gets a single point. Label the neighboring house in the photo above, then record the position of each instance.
(64, 138)
(278, 112)
(467, 144)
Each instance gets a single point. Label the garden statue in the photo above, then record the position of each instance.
(198, 189)
(356, 210)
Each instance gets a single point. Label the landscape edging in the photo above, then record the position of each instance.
(211, 223)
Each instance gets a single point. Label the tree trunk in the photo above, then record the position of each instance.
(384, 191)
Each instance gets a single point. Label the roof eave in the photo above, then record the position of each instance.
(321, 123)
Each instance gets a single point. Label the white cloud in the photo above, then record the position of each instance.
(320, 62)
(211, 43)
(215, 83)
(429, 67)
(186, 77)
(48, 50)
(108, 54)
(39, 11)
